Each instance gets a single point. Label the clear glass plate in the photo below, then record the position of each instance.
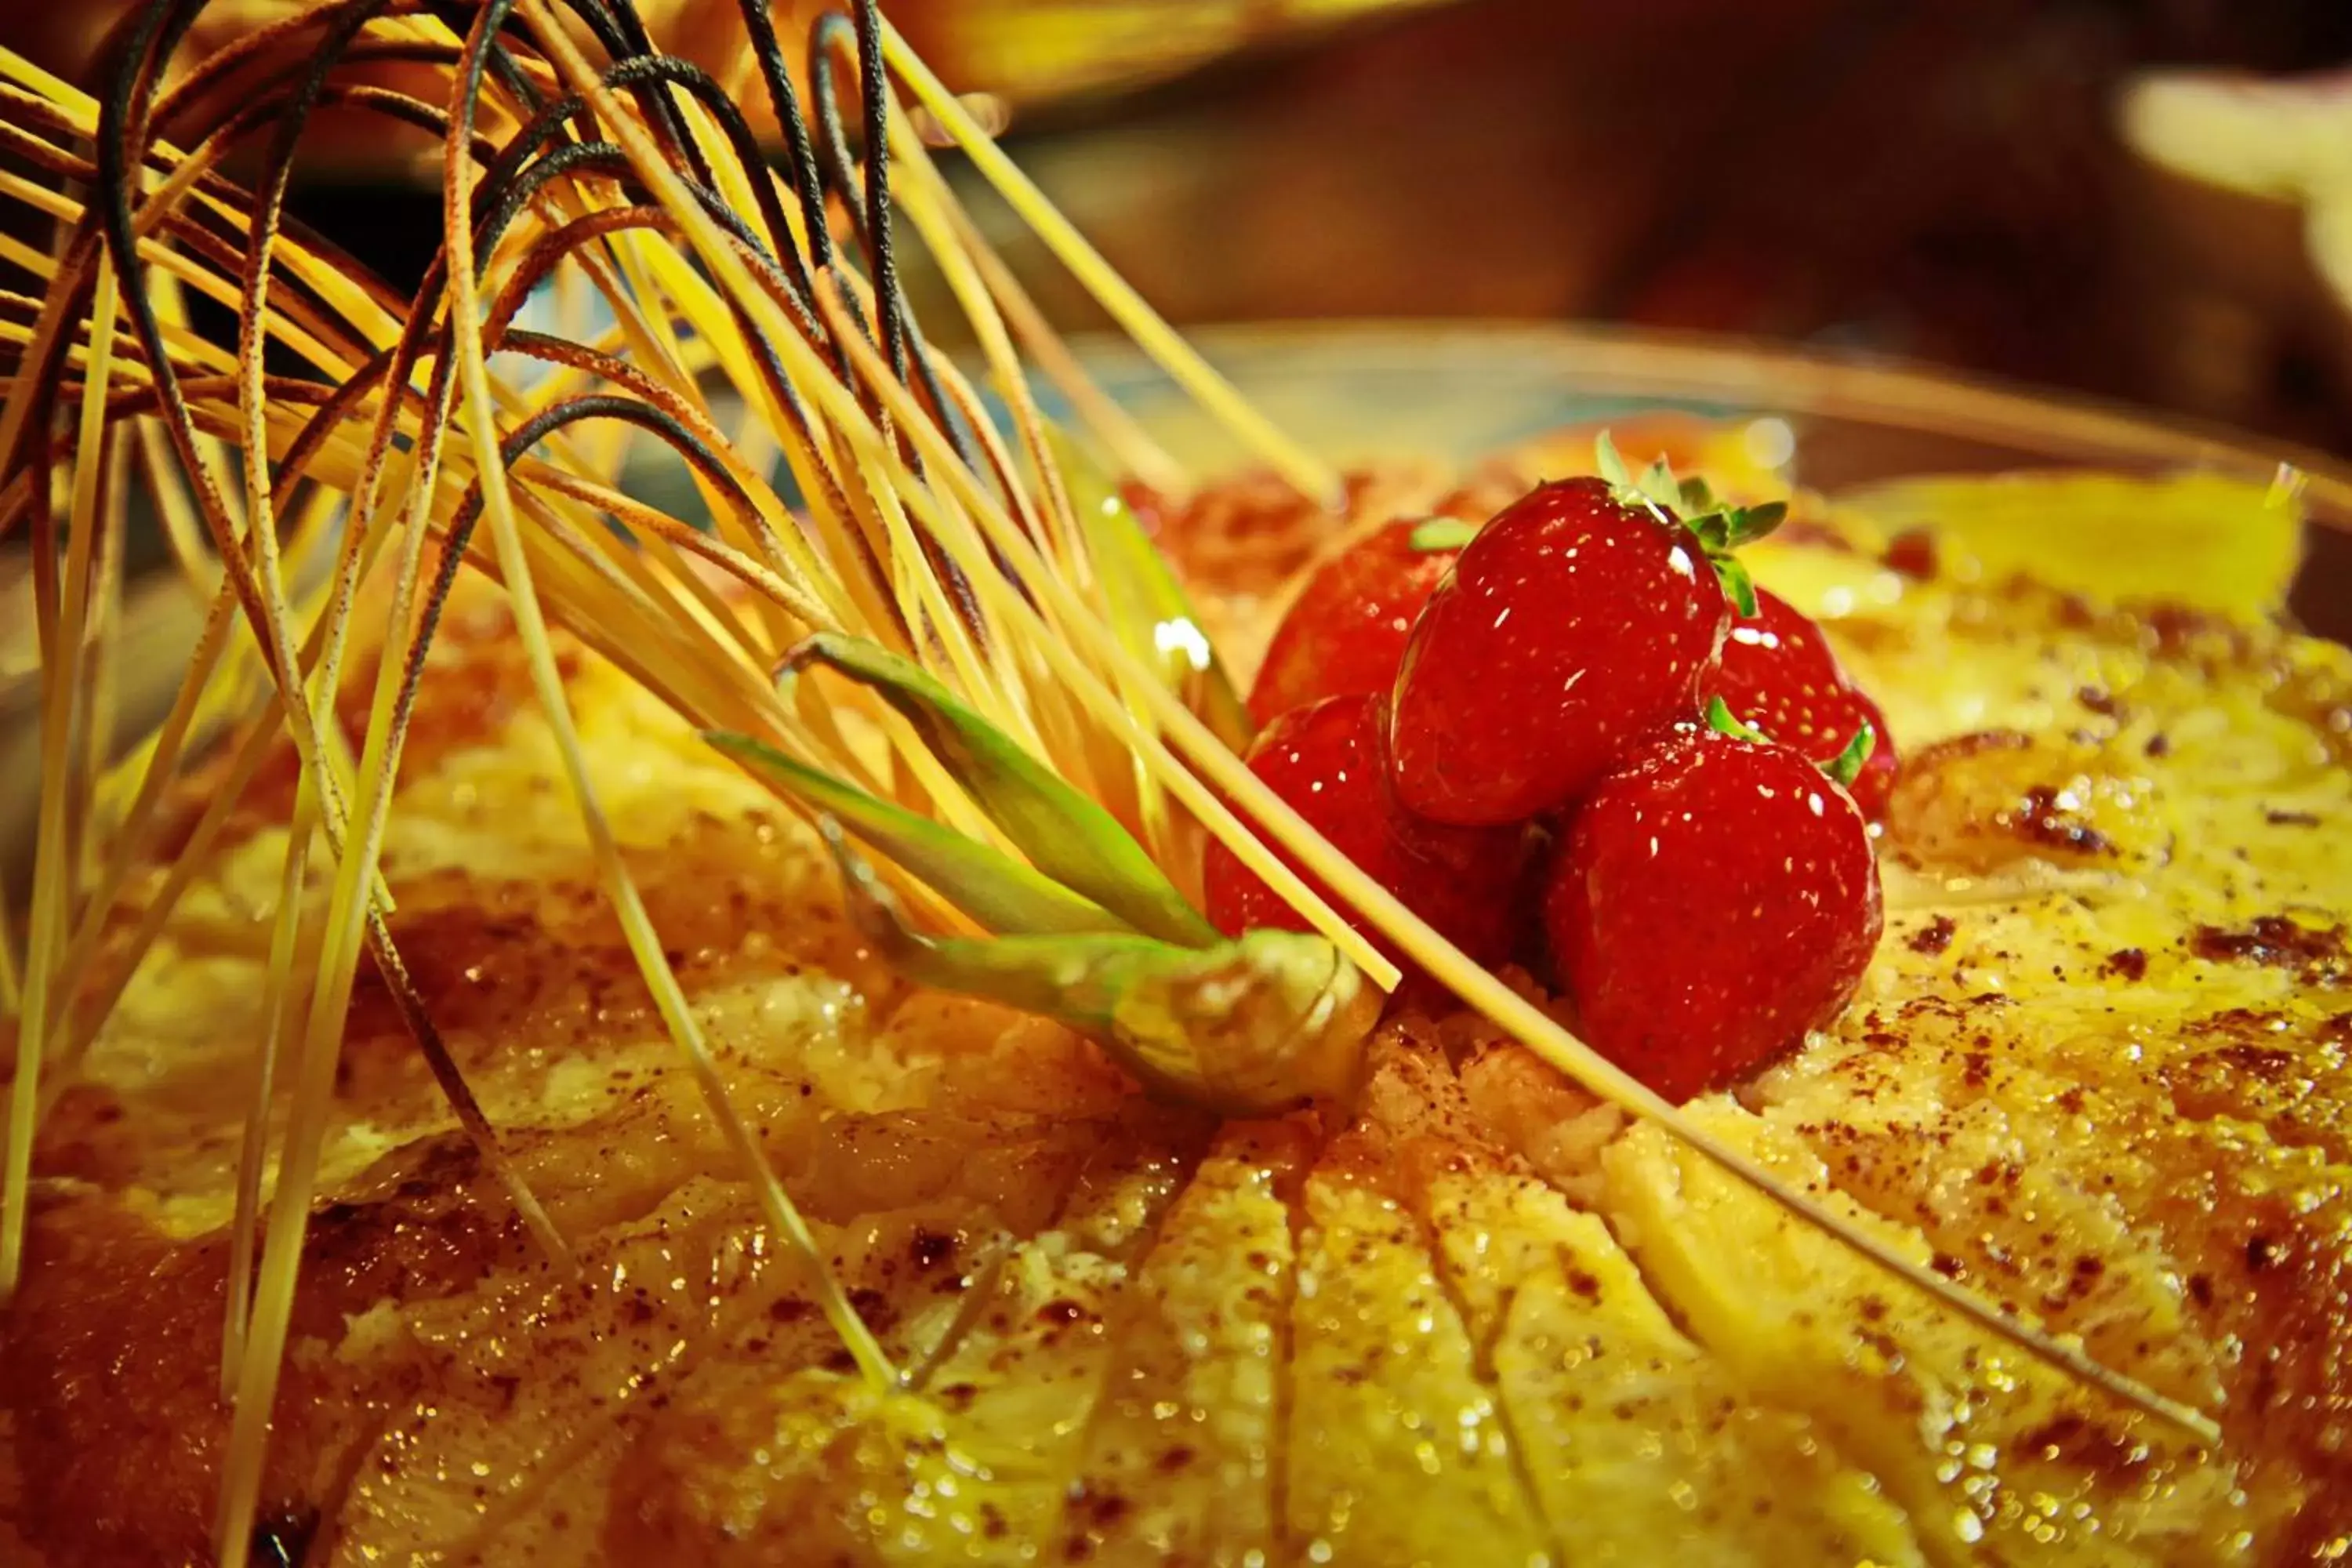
(1455, 393)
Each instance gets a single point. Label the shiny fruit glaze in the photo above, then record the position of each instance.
(1328, 761)
(1777, 673)
(1345, 634)
(1578, 620)
(1714, 900)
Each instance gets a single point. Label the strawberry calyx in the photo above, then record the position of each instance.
(1433, 535)
(1723, 721)
(1846, 766)
(1719, 529)
(1841, 769)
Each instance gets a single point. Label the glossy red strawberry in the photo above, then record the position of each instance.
(1328, 761)
(1583, 617)
(1345, 634)
(1714, 900)
(1777, 673)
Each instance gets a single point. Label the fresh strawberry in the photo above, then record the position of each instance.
(1585, 616)
(1345, 634)
(1777, 673)
(1715, 898)
(1328, 761)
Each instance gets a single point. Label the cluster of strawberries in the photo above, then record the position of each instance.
(1585, 708)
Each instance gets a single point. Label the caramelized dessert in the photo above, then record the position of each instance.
(1680, 1020)
(2094, 1070)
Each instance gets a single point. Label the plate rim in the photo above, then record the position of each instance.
(1775, 377)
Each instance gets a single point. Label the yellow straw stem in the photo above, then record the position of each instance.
(182, 530)
(280, 1018)
(346, 921)
(1315, 478)
(91, 807)
(55, 858)
(718, 255)
(12, 979)
(1077, 621)
(670, 998)
(1126, 443)
(186, 268)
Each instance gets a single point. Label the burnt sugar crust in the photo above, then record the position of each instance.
(2098, 1070)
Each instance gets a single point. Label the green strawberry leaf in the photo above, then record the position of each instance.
(1719, 530)
(1249, 1025)
(1737, 585)
(1150, 610)
(1745, 525)
(1610, 466)
(1438, 533)
(1067, 835)
(999, 892)
(1847, 766)
(1723, 722)
(1658, 482)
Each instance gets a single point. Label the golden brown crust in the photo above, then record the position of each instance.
(2116, 1100)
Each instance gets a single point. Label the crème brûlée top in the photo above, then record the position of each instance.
(2097, 1072)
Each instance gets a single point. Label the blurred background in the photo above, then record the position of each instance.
(2141, 199)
